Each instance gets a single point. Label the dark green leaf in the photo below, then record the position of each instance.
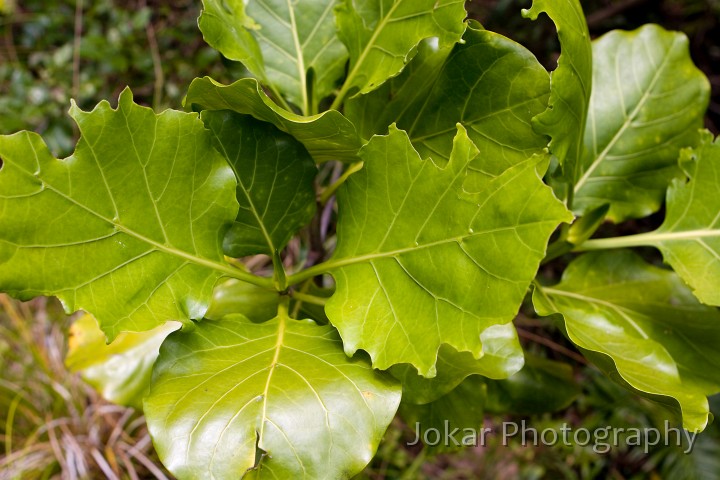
(327, 136)
(489, 84)
(282, 391)
(234, 296)
(276, 176)
(403, 222)
(660, 338)
(128, 228)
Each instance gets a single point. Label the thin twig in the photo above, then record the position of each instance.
(157, 62)
(551, 345)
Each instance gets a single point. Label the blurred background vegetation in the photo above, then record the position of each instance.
(53, 425)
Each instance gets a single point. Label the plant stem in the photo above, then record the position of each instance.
(306, 298)
(330, 190)
(639, 240)
(279, 275)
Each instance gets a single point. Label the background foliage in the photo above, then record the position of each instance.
(52, 51)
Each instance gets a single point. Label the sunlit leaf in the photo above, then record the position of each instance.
(281, 395)
(403, 221)
(128, 228)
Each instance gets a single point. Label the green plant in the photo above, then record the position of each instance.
(433, 133)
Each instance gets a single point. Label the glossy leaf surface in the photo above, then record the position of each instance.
(282, 391)
(660, 338)
(282, 42)
(402, 221)
(648, 102)
(327, 136)
(128, 228)
(276, 176)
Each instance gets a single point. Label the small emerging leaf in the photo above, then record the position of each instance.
(230, 392)
(128, 228)
(660, 338)
(275, 174)
(420, 262)
(327, 136)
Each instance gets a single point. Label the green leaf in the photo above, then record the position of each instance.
(128, 228)
(276, 189)
(570, 83)
(689, 238)
(541, 386)
(121, 371)
(327, 136)
(402, 222)
(501, 357)
(285, 44)
(489, 84)
(231, 391)
(648, 102)
(453, 420)
(382, 36)
(660, 338)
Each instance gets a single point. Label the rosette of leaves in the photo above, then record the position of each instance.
(404, 152)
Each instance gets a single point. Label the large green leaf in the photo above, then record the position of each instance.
(121, 371)
(231, 391)
(489, 84)
(420, 262)
(327, 136)
(382, 35)
(128, 228)
(284, 43)
(501, 358)
(648, 101)
(570, 83)
(276, 189)
(660, 338)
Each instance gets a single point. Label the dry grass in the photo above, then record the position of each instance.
(52, 425)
